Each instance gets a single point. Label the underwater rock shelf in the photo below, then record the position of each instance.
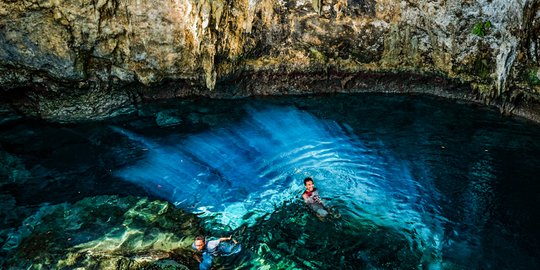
(105, 232)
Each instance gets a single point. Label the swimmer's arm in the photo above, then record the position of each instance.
(227, 239)
(317, 198)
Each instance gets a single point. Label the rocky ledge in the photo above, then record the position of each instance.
(80, 59)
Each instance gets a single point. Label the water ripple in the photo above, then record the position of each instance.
(239, 172)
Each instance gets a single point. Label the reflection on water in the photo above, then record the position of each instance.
(414, 182)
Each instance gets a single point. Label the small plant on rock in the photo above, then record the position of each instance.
(480, 28)
(533, 77)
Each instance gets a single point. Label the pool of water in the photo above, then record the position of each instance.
(412, 182)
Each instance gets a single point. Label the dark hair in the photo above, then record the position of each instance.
(307, 179)
(200, 237)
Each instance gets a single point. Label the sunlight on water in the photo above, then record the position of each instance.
(410, 183)
(239, 172)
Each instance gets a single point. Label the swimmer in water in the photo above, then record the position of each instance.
(224, 246)
(312, 198)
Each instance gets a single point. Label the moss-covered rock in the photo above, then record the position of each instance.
(105, 232)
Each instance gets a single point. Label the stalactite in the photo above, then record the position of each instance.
(201, 42)
(317, 6)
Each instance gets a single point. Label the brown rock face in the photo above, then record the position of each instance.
(81, 59)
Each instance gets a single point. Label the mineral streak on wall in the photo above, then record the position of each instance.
(81, 59)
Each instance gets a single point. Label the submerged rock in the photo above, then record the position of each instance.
(8, 114)
(294, 238)
(12, 169)
(166, 119)
(105, 232)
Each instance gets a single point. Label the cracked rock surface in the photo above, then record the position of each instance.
(84, 59)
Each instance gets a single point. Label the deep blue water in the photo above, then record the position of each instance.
(458, 182)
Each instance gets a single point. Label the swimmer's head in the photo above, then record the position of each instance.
(199, 242)
(308, 182)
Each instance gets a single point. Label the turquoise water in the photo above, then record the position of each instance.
(413, 182)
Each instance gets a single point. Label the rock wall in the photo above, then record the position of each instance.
(81, 59)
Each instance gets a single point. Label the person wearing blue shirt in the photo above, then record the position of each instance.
(212, 248)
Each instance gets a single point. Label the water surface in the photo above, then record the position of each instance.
(412, 181)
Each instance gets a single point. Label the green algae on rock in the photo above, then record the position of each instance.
(107, 232)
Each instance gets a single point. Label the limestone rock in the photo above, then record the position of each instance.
(84, 48)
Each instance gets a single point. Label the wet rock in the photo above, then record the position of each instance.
(300, 240)
(166, 265)
(107, 232)
(12, 169)
(7, 114)
(166, 119)
(194, 118)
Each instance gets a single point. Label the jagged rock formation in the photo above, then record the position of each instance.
(79, 59)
